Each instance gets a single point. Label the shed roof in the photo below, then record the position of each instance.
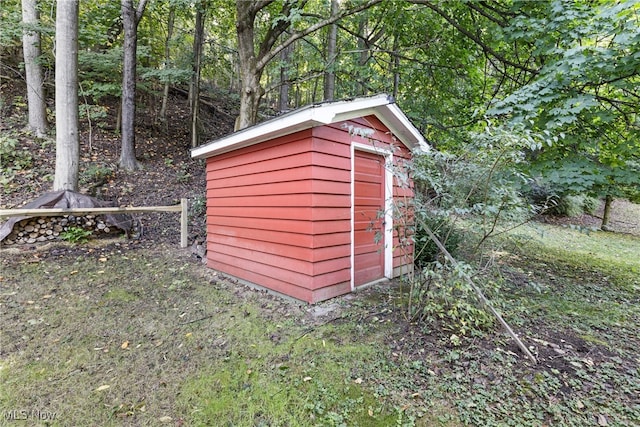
(382, 106)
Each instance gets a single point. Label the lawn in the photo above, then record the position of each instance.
(108, 333)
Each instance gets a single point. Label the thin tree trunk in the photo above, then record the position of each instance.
(285, 58)
(194, 91)
(332, 49)
(130, 19)
(67, 140)
(167, 59)
(606, 215)
(364, 55)
(396, 67)
(33, 69)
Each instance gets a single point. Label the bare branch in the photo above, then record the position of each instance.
(485, 47)
(269, 55)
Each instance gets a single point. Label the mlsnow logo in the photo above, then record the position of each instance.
(26, 414)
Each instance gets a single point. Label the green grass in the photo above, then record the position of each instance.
(615, 257)
(146, 338)
(111, 336)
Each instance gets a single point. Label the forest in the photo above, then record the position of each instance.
(532, 182)
(560, 77)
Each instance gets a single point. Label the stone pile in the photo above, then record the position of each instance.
(41, 229)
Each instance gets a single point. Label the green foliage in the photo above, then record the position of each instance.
(100, 73)
(573, 205)
(590, 204)
(10, 28)
(167, 75)
(583, 97)
(199, 206)
(440, 297)
(96, 174)
(75, 235)
(478, 180)
(12, 159)
(426, 251)
(570, 205)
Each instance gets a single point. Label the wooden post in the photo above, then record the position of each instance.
(479, 293)
(184, 222)
(182, 208)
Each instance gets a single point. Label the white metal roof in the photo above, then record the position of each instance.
(382, 106)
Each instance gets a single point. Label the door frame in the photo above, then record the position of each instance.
(388, 207)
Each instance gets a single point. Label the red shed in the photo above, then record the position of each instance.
(303, 204)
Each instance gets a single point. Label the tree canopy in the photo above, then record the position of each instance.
(567, 71)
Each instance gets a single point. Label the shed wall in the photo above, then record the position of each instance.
(403, 187)
(278, 216)
(279, 212)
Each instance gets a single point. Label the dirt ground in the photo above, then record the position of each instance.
(625, 218)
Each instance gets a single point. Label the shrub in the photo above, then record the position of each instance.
(439, 294)
(12, 159)
(442, 226)
(590, 204)
(570, 205)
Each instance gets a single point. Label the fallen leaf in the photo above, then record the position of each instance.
(103, 387)
(305, 379)
(124, 345)
(370, 412)
(188, 334)
(165, 419)
(358, 381)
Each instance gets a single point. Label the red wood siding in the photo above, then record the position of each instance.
(368, 229)
(279, 212)
(278, 215)
(402, 188)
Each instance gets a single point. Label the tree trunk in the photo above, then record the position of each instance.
(250, 75)
(251, 65)
(67, 141)
(194, 91)
(396, 67)
(332, 49)
(363, 56)
(33, 69)
(130, 19)
(167, 59)
(606, 216)
(285, 58)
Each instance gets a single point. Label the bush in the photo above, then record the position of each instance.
(570, 205)
(442, 226)
(590, 204)
(12, 159)
(440, 296)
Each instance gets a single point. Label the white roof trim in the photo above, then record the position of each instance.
(382, 106)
